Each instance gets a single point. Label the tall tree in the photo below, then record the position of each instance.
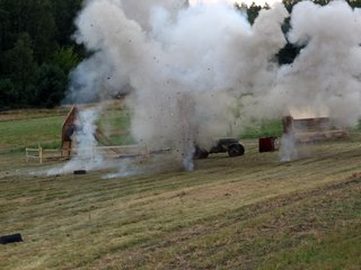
(8, 94)
(28, 16)
(66, 59)
(64, 12)
(21, 67)
(252, 11)
(50, 85)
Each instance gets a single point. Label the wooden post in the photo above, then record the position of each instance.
(27, 155)
(41, 154)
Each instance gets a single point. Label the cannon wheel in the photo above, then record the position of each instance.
(200, 153)
(235, 150)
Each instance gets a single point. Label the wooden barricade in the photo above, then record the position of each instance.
(42, 155)
(34, 154)
(312, 129)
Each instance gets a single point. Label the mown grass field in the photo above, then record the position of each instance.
(21, 129)
(251, 212)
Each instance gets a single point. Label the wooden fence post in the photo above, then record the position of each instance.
(41, 154)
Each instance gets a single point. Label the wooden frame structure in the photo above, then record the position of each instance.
(42, 155)
(312, 129)
(67, 131)
(68, 148)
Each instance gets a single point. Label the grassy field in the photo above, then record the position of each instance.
(18, 132)
(251, 212)
(21, 129)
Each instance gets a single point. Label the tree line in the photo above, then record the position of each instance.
(37, 51)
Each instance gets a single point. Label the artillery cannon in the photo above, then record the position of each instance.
(232, 146)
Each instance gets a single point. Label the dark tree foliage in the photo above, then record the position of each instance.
(64, 14)
(289, 53)
(21, 66)
(251, 11)
(51, 82)
(36, 51)
(8, 93)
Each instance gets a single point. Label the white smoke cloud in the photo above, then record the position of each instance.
(188, 66)
(325, 77)
(86, 155)
(202, 71)
(141, 11)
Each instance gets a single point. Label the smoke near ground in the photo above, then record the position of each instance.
(188, 66)
(86, 155)
(324, 80)
(199, 72)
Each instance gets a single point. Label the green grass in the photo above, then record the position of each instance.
(18, 134)
(19, 131)
(270, 128)
(340, 249)
(243, 213)
(249, 212)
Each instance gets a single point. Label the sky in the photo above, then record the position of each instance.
(248, 2)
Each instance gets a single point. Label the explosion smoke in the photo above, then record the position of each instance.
(188, 66)
(325, 77)
(202, 71)
(87, 157)
(324, 80)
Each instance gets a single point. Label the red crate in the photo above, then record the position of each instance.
(267, 144)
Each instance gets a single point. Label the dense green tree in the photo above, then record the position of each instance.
(36, 33)
(66, 59)
(50, 84)
(8, 94)
(64, 12)
(21, 67)
(252, 11)
(29, 16)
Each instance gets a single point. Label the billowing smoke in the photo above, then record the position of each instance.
(200, 72)
(142, 12)
(189, 66)
(86, 155)
(325, 77)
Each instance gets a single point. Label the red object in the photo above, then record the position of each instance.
(267, 144)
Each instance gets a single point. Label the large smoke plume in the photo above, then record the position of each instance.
(325, 78)
(201, 72)
(188, 66)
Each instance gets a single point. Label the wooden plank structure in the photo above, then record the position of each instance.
(64, 153)
(67, 131)
(69, 149)
(34, 154)
(312, 129)
(42, 155)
